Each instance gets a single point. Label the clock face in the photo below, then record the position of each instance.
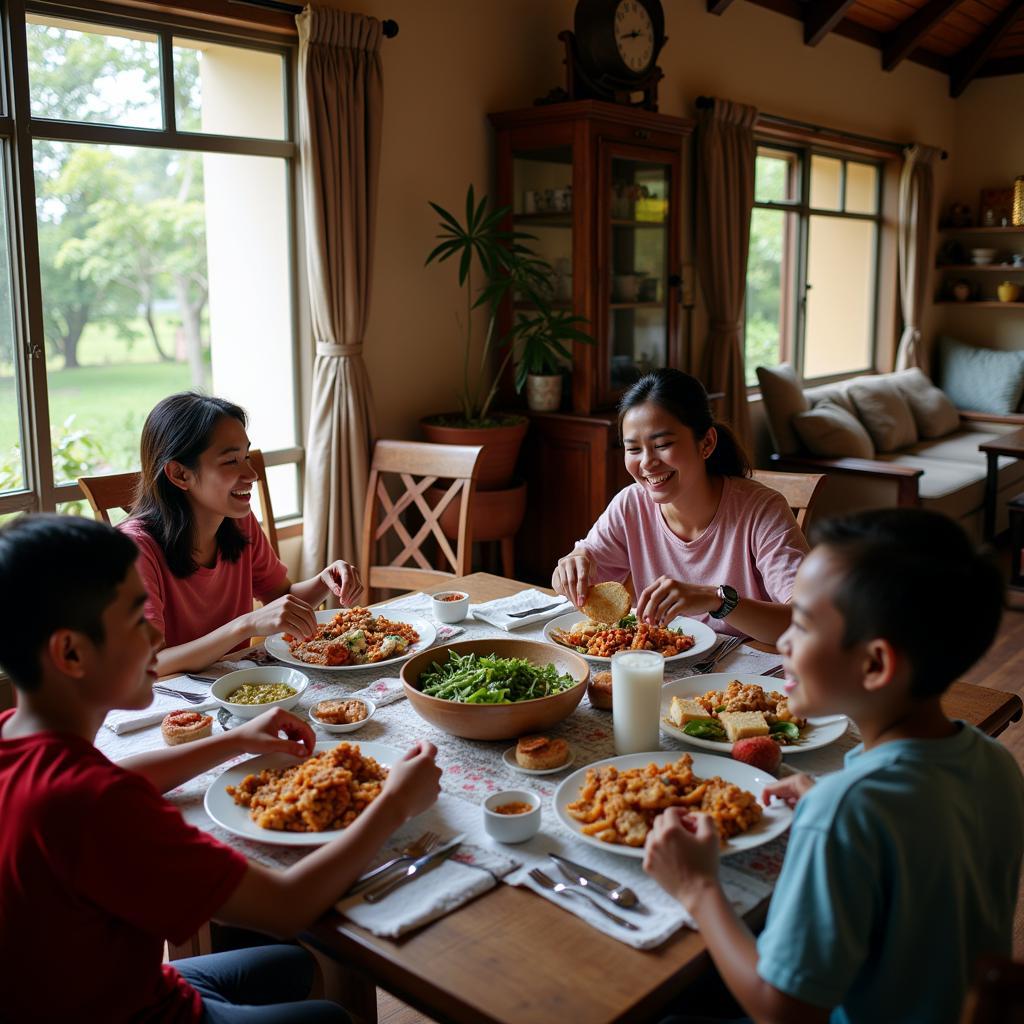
(634, 35)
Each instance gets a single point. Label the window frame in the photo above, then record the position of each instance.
(793, 303)
(18, 131)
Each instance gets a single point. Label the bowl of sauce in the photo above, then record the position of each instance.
(512, 816)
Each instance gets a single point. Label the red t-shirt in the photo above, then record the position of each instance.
(97, 870)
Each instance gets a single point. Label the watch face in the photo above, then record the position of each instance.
(634, 35)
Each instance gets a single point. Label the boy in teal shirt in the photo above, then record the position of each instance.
(903, 867)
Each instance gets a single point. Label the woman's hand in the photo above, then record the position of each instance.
(343, 581)
(414, 782)
(288, 614)
(681, 854)
(262, 735)
(572, 576)
(661, 601)
(789, 789)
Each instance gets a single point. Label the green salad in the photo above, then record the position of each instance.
(472, 679)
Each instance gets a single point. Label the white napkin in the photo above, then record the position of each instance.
(382, 691)
(127, 721)
(497, 612)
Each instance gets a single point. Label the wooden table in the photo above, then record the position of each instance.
(512, 958)
(1011, 445)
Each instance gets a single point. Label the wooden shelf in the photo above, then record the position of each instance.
(1010, 229)
(984, 303)
(545, 220)
(984, 268)
(619, 222)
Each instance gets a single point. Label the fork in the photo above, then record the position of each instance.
(723, 650)
(424, 844)
(564, 890)
(192, 698)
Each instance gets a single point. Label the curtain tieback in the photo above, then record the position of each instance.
(726, 326)
(327, 348)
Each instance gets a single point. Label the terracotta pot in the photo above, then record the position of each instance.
(544, 392)
(501, 447)
(496, 514)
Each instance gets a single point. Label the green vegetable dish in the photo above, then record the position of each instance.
(472, 679)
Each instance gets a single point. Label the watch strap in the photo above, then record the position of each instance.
(729, 601)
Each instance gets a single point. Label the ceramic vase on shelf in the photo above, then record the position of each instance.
(961, 291)
(1008, 291)
(544, 392)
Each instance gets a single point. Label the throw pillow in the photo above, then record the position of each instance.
(783, 398)
(982, 379)
(829, 430)
(885, 412)
(934, 414)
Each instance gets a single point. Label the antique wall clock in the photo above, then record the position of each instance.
(613, 51)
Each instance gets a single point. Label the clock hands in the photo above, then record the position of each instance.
(631, 35)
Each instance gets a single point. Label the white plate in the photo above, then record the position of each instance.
(235, 818)
(277, 646)
(820, 732)
(705, 636)
(509, 757)
(774, 821)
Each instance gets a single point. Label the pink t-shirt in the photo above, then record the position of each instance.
(189, 608)
(753, 543)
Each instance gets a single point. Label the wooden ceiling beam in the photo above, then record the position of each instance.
(970, 61)
(901, 41)
(821, 16)
(1001, 66)
(718, 6)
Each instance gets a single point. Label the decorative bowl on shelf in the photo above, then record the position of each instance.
(982, 257)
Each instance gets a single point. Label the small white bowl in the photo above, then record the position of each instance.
(512, 828)
(371, 709)
(268, 674)
(450, 611)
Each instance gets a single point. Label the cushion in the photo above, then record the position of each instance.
(933, 412)
(884, 411)
(837, 394)
(783, 398)
(829, 430)
(982, 379)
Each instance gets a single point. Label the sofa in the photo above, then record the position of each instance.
(885, 440)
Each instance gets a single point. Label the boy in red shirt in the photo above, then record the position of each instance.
(96, 869)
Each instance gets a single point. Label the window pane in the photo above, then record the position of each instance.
(149, 287)
(775, 176)
(284, 490)
(12, 459)
(826, 178)
(861, 188)
(79, 72)
(841, 296)
(769, 291)
(209, 78)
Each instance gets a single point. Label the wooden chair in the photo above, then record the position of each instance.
(799, 489)
(118, 491)
(411, 468)
(997, 994)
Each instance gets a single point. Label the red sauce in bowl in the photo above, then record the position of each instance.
(516, 807)
(448, 597)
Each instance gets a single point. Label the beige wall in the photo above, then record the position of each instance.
(455, 60)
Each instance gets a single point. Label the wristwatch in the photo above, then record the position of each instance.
(729, 599)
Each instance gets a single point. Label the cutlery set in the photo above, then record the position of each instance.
(723, 650)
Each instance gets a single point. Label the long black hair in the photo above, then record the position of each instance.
(179, 430)
(684, 397)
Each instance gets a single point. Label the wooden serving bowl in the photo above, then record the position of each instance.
(497, 721)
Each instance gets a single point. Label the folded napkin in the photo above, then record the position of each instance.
(121, 722)
(497, 612)
(382, 691)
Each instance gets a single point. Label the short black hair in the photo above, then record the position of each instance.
(914, 578)
(56, 572)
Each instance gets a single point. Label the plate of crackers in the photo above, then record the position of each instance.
(715, 710)
(611, 804)
(275, 798)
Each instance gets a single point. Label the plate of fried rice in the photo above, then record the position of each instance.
(275, 799)
(354, 638)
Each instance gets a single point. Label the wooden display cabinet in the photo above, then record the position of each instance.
(599, 186)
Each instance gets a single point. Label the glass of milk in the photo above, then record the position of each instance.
(636, 700)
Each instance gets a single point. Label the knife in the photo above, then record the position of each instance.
(596, 882)
(535, 611)
(416, 868)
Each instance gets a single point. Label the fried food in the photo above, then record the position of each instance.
(606, 602)
(538, 753)
(340, 712)
(602, 641)
(619, 807)
(185, 726)
(355, 636)
(325, 792)
(738, 711)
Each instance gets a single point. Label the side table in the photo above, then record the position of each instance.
(1016, 509)
(1010, 445)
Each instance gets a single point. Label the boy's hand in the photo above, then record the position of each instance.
(261, 735)
(681, 854)
(413, 784)
(789, 789)
(661, 601)
(343, 581)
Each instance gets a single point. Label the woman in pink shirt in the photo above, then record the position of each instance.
(697, 536)
(202, 554)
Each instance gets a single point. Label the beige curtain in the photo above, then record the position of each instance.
(340, 102)
(725, 197)
(916, 216)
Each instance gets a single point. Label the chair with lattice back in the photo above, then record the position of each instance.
(117, 490)
(399, 515)
(799, 489)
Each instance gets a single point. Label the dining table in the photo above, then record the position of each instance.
(509, 956)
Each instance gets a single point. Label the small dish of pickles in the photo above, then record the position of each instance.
(251, 691)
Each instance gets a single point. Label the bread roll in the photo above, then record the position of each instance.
(184, 726)
(607, 602)
(538, 753)
(599, 690)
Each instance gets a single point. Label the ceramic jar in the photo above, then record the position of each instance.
(1008, 291)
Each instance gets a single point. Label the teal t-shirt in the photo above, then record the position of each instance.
(901, 870)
